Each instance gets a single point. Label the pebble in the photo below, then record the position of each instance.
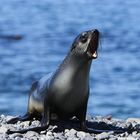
(49, 133)
(3, 129)
(18, 138)
(16, 135)
(49, 137)
(81, 134)
(114, 138)
(130, 138)
(35, 123)
(73, 131)
(69, 138)
(31, 134)
(133, 120)
(24, 124)
(102, 136)
(69, 134)
(3, 136)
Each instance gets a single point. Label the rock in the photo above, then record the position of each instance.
(16, 135)
(24, 124)
(42, 137)
(4, 136)
(69, 138)
(18, 138)
(102, 136)
(81, 134)
(31, 134)
(9, 118)
(3, 129)
(59, 135)
(133, 120)
(114, 138)
(88, 137)
(84, 136)
(69, 134)
(35, 123)
(120, 138)
(130, 138)
(49, 133)
(66, 130)
(72, 133)
(49, 137)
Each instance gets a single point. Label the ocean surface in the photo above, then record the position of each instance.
(35, 36)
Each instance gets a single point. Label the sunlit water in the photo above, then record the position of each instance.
(48, 29)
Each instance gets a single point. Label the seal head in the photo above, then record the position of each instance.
(86, 44)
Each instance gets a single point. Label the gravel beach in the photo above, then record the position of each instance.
(62, 130)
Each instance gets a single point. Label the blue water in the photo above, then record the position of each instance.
(48, 28)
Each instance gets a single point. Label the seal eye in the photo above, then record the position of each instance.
(84, 37)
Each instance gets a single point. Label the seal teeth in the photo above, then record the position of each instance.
(94, 54)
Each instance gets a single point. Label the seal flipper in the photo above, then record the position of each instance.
(81, 115)
(44, 124)
(36, 129)
(26, 117)
(98, 131)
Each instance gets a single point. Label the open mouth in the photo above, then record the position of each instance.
(93, 44)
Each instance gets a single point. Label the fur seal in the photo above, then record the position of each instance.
(65, 92)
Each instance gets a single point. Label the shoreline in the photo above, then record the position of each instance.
(69, 130)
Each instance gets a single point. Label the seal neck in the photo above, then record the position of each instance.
(76, 64)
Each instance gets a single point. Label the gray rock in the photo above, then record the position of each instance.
(120, 138)
(16, 135)
(66, 130)
(4, 136)
(24, 124)
(49, 137)
(35, 123)
(42, 137)
(81, 134)
(133, 120)
(70, 133)
(31, 134)
(57, 135)
(34, 138)
(103, 136)
(73, 131)
(136, 135)
(88, 137)
(130, 138)
(49, 133)
(9, 118)
(114, 138)
(3, 129)
(69, 138)
(18, 138)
